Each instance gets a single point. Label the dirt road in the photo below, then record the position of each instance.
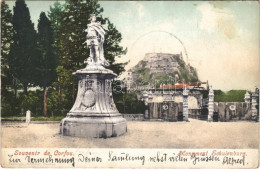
(193, 134)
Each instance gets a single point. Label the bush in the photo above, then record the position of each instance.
(230, 96)
(57, 104)
(33, 101)
(10, 105)
(127, 103)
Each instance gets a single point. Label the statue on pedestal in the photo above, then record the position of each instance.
(95, 40)
(94, 113)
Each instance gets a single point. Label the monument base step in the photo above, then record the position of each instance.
(95, 127)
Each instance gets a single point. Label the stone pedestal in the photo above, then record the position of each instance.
(94, 113)
(146, 114)
(28, 116)
(185, 105)
(211, 105)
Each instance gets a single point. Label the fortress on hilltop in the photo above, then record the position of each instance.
(162, 62)
(162, 68)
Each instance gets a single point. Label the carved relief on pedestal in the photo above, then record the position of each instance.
(81, 83)
(108, 91)
(88, 97)
(111, 102)
(99, 86)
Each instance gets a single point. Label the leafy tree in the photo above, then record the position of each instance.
(48, 61)
(112, 48)
(75, 19)
(6, 40)
(24, 56)
(71, 52)
(55, 16)
(9, 102)
(72, 19)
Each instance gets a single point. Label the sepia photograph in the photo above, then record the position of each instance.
(87, 83)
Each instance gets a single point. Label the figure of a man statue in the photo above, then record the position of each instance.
(95, 40)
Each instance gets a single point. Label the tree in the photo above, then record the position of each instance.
(73, 17)
(6, 40)
(24, 55)
(48, 61)
(8, 100)
(69, 27)
(55, 16)
(112, 48)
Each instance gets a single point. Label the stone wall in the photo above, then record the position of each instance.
(168, 111)
(194, 113)
(133, 117)
(232, 111)
(194, 98)
(223, 111)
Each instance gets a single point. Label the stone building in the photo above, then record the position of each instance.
(158, 68)
(167, 111)
(155, 63)
(168, 105)
(162, 62)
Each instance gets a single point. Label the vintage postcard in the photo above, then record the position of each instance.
(129, 84)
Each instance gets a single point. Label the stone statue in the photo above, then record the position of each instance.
(95, 40)
(94, 113)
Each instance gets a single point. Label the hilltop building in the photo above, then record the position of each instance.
(162, 62)
(157, 66)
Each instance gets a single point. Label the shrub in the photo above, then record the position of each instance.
(127, 103)
(33, 101)
(10, 105)
(230, 96)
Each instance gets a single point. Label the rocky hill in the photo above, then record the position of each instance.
(162, 68)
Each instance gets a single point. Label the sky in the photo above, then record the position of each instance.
(220, 39)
